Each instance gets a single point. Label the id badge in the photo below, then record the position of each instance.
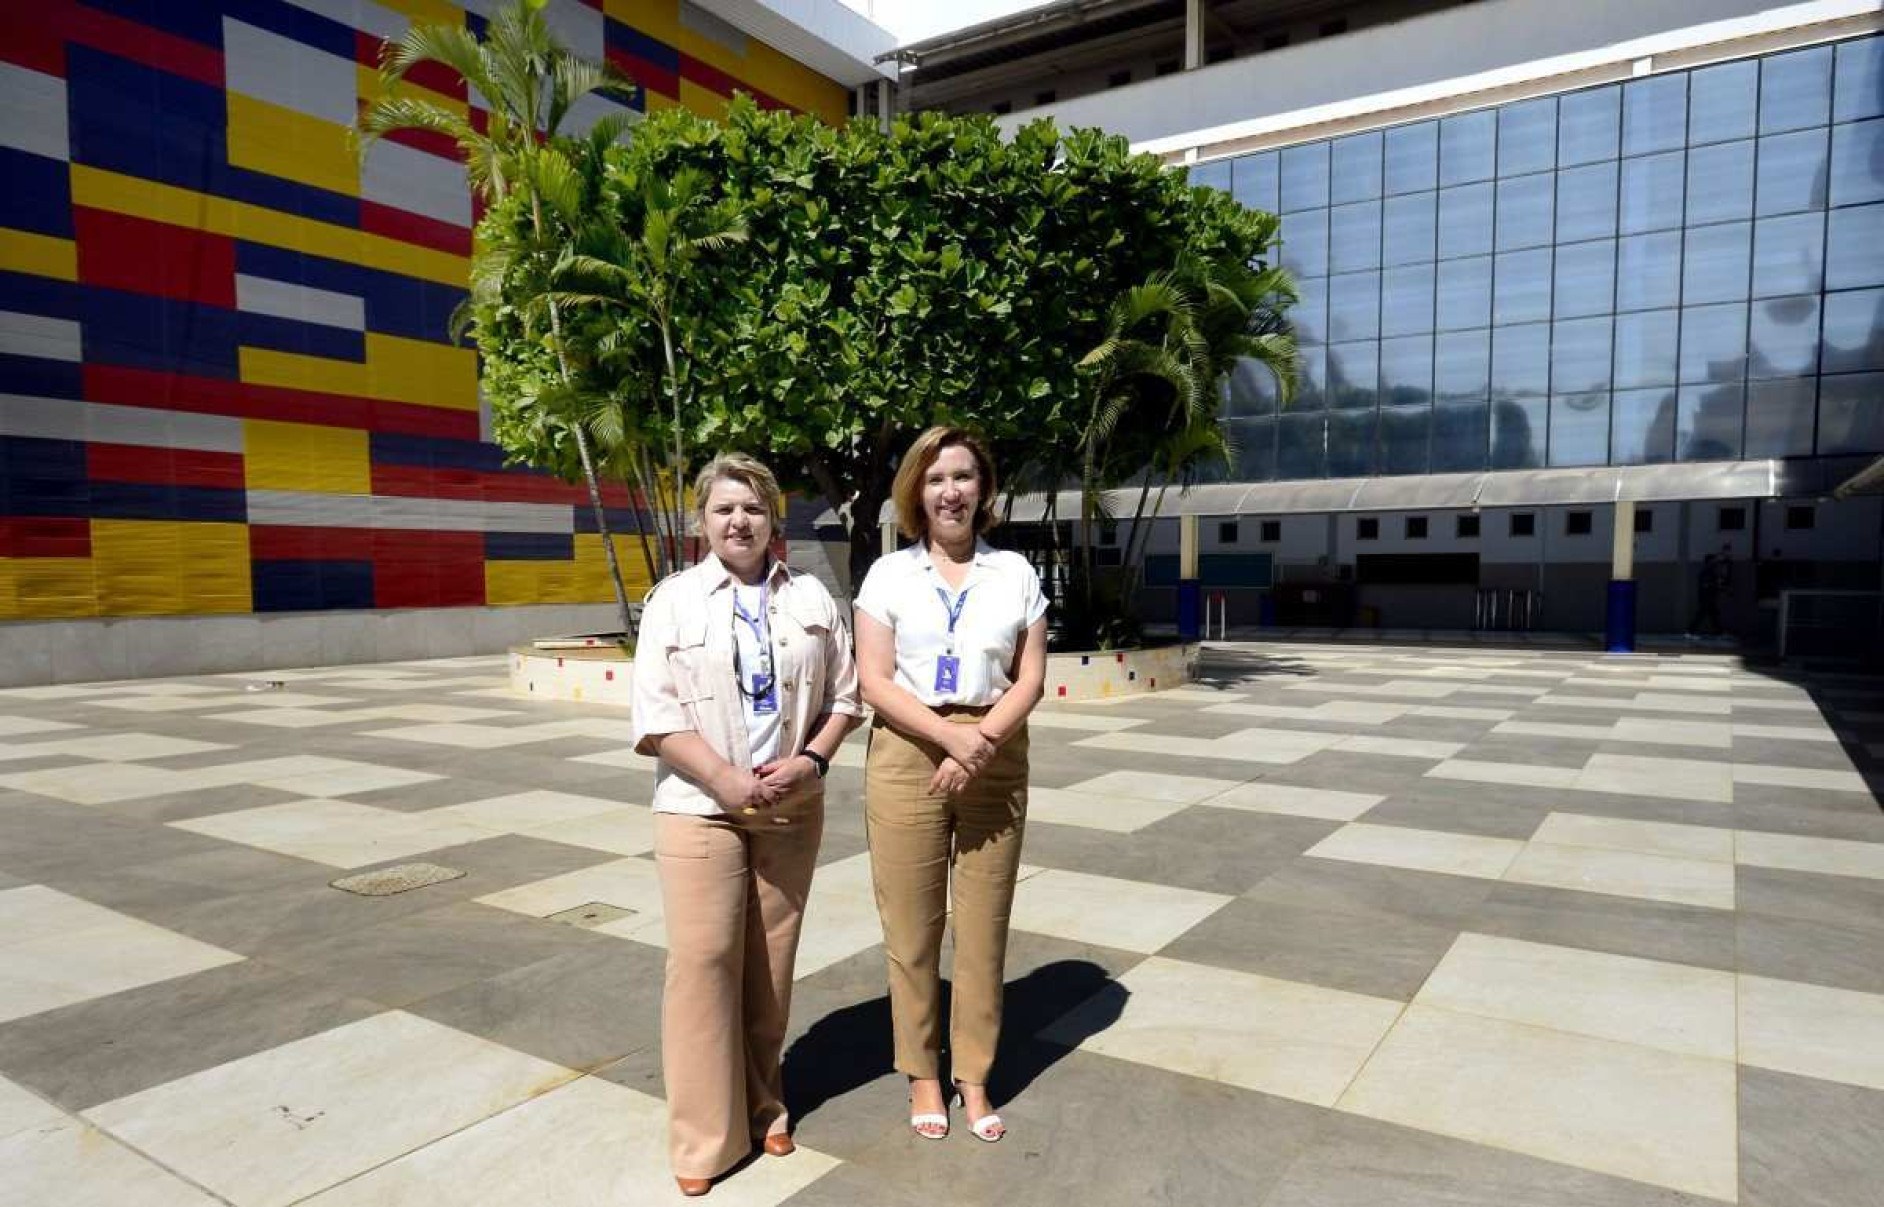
(948, 669)
(766, 704)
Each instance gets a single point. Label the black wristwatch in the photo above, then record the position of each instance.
(817, 760)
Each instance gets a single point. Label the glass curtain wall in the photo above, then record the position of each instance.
(1684, 267)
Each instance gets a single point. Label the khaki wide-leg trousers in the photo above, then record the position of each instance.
(925, 850)
(734, 899)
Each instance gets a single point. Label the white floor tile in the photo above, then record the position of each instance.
(1799, 777)
(629, 884)
(21, 1109)
(1280, 746)
(624, 831)
(1116, 814)
(1263, 796)
(66, 1163)
(1419, 850)
(338, 833)
(1649, 837)
(1151, 785)
(1790, 733)
(13, 727)
(1708, 883)
(1051, 718)
(1793, 852)
(627, 756)
(1674, 779)
(1519, 774)
(108, 747)
(1109, 912)
(1405, 748)
(345, 781)
(840, 916)
(1812, 1030)
(525, 810)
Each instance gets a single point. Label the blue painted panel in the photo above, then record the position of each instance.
(395, 304)
(38, 193)
(148, 501)
(309, 29)
(529, 546)
(24, 293)
(24, 458)
(161, 334)
(308, 339)
(392, 448)
(617, 36)
(311, 586)
(34, 377)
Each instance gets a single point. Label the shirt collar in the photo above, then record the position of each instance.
(717, 575)
(920, 551)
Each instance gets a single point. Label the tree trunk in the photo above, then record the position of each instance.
(594, 485)
(866, 539)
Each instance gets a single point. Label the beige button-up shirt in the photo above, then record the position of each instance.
(684, 678)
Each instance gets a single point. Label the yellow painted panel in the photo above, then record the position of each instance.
(40, 255)
(215, 568)
(296, 456)
(507, 583)
(396, 369)
(170, 567)
(775, 74)
(45, 587)
(657, 102)
(198, 211)
(427, 12)
(583, 580)
(702, 100)
(281, 142)
(368, 85)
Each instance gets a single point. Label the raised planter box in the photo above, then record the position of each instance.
(594, 676)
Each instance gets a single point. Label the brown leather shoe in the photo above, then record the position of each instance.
(693, 1188)
(779, 1144)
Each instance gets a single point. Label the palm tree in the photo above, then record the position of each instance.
(530, 82)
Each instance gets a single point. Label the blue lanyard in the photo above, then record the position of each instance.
(953, 609)
(761, 682)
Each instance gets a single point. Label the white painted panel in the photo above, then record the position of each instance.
(34, 103)
(589, 110)
(304, 508)
(417, 182)
(263, 295)
(66, 419)
(290, 74)
(360, 14)
(40, 336)
(577, 26)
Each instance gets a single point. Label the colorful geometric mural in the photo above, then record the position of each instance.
(225, 378)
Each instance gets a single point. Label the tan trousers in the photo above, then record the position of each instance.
(925, 850)
(734, 900)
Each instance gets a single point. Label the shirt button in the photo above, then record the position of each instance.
(788, 687)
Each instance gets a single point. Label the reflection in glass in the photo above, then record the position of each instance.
(1642, 427)
(1788, 254)
(1860, 80)
(1464, 293)
(1311, 378)
(1459, 432)
(1254, 181)
(1645, 348)
(1588, 125)
(1524, 211)
(1301, 446)
(1783, 337)
(1854, 247)
(1779, 417)
(1520, 360)
(1467, 147)
(1408, 228)
(1305, 176)
(1654, 114)
(1792, 173)
(1714, 343)
(1250, 389)
(1214, 175)
(1465, 221)
(1309, 316)
(1354, 375)
(1579, 356)
(1521, 287)
(1354, 237)
(1255, 443)
(1357, 167)
(1586, 279)
(1648, 271)
(1305, 243)
(1716, 263)
(1412, 158)
(1406, 300)
(1858, 163)
(1720, 183)
(1708, 422)
(1350, 444)
(1579, 428)
(1404, 432)
(1527, 137)
(1795, 90)
(1462, 366)
(1850, 417)
(1586, 203)
(1652, 192)
(1354, 306)
(1854, 331)
(1721, 103)
(1517, 432)
(1406, 371)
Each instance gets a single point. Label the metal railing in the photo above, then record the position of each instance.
(1217, 604)
(1507, 609)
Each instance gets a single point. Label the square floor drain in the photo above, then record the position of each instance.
(384, 882)
(595, 913)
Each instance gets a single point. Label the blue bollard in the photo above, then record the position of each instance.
(1190, 609)
(1619, 633)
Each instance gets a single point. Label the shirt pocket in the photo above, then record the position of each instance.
(695, 677)
(803, 632)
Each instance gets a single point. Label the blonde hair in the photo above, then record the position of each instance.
(746, 470)
(906, 492)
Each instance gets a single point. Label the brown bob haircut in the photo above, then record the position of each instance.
(906, 493)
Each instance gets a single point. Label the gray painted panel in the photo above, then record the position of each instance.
(260, 295)
(37, 335)
(35, 107)
(287, 73)
(417, 182)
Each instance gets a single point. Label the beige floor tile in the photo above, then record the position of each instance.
(1812, 1030)
(1661, 731)
(1166, 745)
(1404, 748)
(1419, 850)
(1052, 718)
(13, 727)
(345, 781)
(1649, 837)
(1555, 729)
(1640, 702)
(1128, 914)
(342, 834)
(38, 911)
(1674, 1007)
(1452, 713)
(1279, 712)
(1831, 856)
(1673, 779)
(627, 756)
(630, 884)
(525, 810)
(1279, 746)
(1622, 1109)
(1799, 777)
(21, 1109)
(1795, 733)
(108, 747)
(1297, 1041)
(1520, 774)
(269, 1129)
(840, 916)
(624, 831)
(1708, 883)
(1368, 712)
(1152, 785)
(1409, 689)
(1261, 796)
(64, 1162)
(1117, 814)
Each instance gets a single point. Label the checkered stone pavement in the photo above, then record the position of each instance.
(1336, 924)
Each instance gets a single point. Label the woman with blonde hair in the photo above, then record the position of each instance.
(744, 685)
(951, 652)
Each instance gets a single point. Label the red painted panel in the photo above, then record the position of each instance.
(45, 536)
(435, 76)
(28, 40)
(163, 466)
(708, 76)
(214, 396)
(651, 76)
(429, 141)
(117, 251)
(414, 228)
(65, 21)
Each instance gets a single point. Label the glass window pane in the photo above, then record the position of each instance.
(1412, 156)
(1708, 422)
(1791, 173)
(1527, 137)
(1521, 287)
(1249, 389)
(1305, 243)
(1714, 343)
(1720, 183)
(1579, 428)
(1254, 181)
(1300, 446)
(1716, 263)
(1406, 300)
(1404, 432)
(1255, 443)
(1721, 102)
(1406, 371)
(1788, 254)
(1586, 203)
(1783, 337)
(1860, 76)
(1350, 444)
(1517, 432)
(1779, 417)
(1579, 356)
(1467, 147)
(1858, 163)
(1459, 437)
(1588, 125)
(1311, 378)
(1465, 221)
(1854, 247)
(1354, 306)
(1408, 228)
(1464, 293)
(1648, 271)
(1305, 176)
(1851, 419)
(1654, 114)
(1215, 175)
(1354, 237)
(1642, 427)
(1586, 279)
(1309, 316)
(1357, 166)
(1652, 191)
(1520, 360)
(1524, 212)
(1795, 90)
(1854, 331)
(1462, 366)
(1353, 375)
(1645, 349)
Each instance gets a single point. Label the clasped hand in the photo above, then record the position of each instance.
(764, 786)
(968, 752)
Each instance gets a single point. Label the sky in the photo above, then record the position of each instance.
(913, 20)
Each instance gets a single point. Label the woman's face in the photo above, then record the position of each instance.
(951, 494)
(738, 525)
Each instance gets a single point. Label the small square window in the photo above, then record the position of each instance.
(1275, 41)
(1576, 523)
(1046, 98)
(1226, 533)
(1168, 67)
(1416, 528)
(1732, 519)
(1219, 54)
(1108, 534)
(1337, 26)
(1802, 519)
(1367, 529)
(1523, 523)
(1271, 531)
(1644, 520)
(1119, 79)
(1468, 527)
